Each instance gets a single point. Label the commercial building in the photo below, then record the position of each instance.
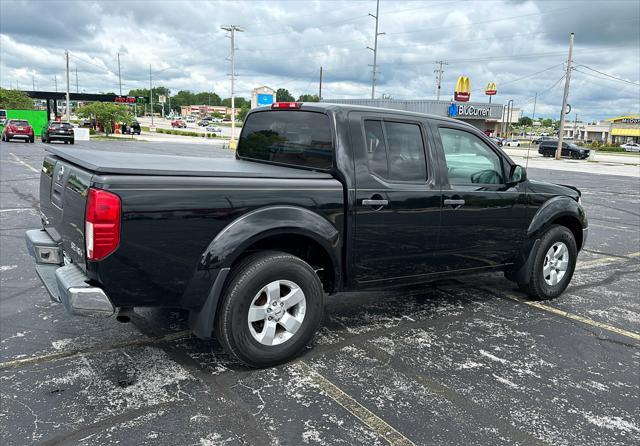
(206, 110)
(616, 131)
(625, 129)
(490, 118)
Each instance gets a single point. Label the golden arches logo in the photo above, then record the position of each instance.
(490, 89)
(462, 92)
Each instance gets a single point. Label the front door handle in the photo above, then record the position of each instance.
(375, 203)
(453, 202)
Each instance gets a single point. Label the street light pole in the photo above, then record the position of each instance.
(68, 94)
(151, 95)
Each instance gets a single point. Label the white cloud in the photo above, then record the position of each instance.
(285, 43)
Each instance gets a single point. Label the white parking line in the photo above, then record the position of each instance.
(368, 418)
(16, 210)
(28, 166)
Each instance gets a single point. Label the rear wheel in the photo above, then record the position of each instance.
(32, 139)
(72, 141)
(553, 265)
(271, 309)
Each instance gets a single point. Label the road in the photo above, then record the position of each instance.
(463, 361)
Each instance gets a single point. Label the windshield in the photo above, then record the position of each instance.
(299, 138)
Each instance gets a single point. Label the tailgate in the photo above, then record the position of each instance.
(63, 195)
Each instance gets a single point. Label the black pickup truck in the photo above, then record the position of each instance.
(320, 198)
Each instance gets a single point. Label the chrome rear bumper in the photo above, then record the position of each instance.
(66, 283)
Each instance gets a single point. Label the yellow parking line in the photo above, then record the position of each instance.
(368, 418)
(605, 260)
(98, 349)
(585, 320)
(28, 166)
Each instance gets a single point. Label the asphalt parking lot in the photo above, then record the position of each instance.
(456, 362)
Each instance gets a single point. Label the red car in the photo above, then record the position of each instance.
(179, 123)
(18, 129)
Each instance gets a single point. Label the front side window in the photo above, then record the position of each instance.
(469, 159)
(293, 137)
(397, 152)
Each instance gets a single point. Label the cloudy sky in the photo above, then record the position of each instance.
(520, 45)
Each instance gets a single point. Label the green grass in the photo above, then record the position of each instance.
(186, 133)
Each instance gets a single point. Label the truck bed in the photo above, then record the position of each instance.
(128, 163)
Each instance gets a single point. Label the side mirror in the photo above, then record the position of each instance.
(517, 175)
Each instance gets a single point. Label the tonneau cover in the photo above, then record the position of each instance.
(128, 163)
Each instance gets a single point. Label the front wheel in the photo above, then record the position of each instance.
(271, 309)
(553, 265)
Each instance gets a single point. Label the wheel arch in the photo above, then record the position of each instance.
(561, 210)
(291, 229)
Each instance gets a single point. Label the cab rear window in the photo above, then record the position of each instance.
(297, 138)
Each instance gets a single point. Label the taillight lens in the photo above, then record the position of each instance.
(102, 223)
(286, 105)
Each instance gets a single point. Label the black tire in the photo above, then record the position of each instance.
(538, 288)
(44, 139)
(244, 284)
(72, 141)
(32, 139)
(66, 142)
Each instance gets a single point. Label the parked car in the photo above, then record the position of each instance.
(631, 147)
(18, 129)
(216, 120)
(320, 198)
(58, 131)
(497, 140)
(512, 143)
(204, 123)
(569, 150)
(131, 129)
(178, 123)
(539, 139)
(213, 129)
(190, 119)
(3, 117)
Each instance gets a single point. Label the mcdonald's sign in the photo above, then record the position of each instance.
(462, 92)
(490, 89)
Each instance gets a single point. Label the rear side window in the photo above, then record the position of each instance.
(395, 150)
(298, 138)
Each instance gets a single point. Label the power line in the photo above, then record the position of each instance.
(524, 77)
(608, 75)
(466, 25)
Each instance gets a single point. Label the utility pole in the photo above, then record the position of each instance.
(119, 78)
(439, 71)
(533, 117)
(55, 79)
(68, 94)
(232, 30)
(77, 89)
(375, 51)
(575, 126)
(565, 97)
(151, 95)
(320, 89)
(33, 80)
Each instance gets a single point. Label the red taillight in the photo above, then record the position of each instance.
(286, 105)
(102, 224)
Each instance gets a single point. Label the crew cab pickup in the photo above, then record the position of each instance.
(320, 198)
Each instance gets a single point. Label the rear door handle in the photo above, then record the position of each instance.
(452, 202)
(375, 202)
